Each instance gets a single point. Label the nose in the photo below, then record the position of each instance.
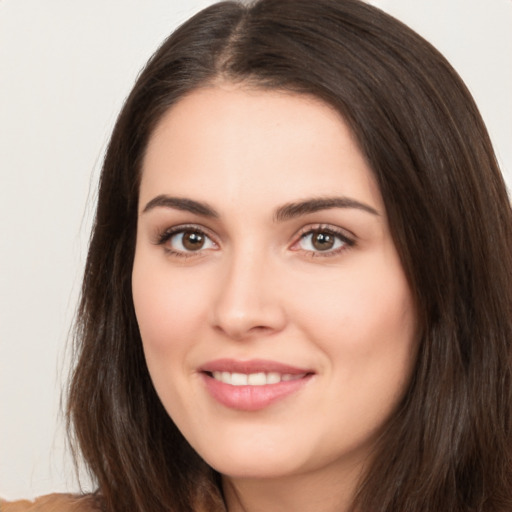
(248, 301)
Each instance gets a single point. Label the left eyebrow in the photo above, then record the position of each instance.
(297, 209)
(181, 203)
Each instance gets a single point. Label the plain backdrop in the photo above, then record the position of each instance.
(65, 69)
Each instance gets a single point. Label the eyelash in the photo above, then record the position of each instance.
(346, 241)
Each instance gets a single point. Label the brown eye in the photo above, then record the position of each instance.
(322, 241)
(183, 241)
(193, 240)
(325, 241)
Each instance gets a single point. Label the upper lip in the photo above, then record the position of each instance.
(251, 366)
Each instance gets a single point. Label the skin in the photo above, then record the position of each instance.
(258, 288)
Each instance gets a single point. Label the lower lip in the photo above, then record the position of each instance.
(252, 398)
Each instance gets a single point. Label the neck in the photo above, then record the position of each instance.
(328, 491)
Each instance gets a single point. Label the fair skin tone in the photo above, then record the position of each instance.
(277, 323)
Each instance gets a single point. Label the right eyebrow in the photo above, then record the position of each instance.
(291, 210)
(180, 203)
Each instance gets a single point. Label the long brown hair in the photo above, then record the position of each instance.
(448, 445)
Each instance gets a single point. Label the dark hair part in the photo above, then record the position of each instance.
(448, 446)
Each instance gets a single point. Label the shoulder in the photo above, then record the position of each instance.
(52, 503)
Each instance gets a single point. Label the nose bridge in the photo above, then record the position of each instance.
(247, 300)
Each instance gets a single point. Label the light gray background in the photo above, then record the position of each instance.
(65, 68)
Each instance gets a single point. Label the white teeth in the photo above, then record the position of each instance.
(273, 378)
(257, 379)
(254, 379)
(239, 379)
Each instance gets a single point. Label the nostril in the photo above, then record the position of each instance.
(260, 328)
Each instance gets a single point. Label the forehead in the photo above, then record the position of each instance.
(226, 142)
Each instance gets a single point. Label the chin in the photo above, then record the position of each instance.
(243, 459)
(255, 469)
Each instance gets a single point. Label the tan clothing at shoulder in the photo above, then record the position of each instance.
(51, 503)
(205, 502)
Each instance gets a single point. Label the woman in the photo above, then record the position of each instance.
(298, 288)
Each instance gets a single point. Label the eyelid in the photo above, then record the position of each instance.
(162, 235)
(332, 228)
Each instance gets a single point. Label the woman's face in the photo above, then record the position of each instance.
(277, 323)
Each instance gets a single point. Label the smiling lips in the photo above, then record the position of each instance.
(251, 385)
(254, 379)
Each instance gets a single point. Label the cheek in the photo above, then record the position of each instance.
(169, 314)
(167, 307)
(360, 305)
(368, 334)
(364, 321)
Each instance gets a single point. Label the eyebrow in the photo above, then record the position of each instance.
(180, 203)
(283, 213)
(297, 209)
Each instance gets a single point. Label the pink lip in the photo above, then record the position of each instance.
(251, 398)
(251, 366)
